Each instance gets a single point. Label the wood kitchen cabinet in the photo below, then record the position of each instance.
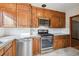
(36, 46)
(24, 15)
(8, 52)
(61, 41)
(62, 20)
(15, 15)
(9, 49)
(14, 48)
(47, 13)
(58, 20)
(40, 13)
(1, 52)
(67, 41)
(58, 42)
(34, 21)
(55, 22)
(8, 14)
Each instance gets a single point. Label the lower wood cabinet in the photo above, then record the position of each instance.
(61, 41)
(36, 46)
(14, 48)
(1, 52)
(8, 52)
(9, 49)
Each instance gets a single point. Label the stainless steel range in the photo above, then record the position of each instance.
(46, 39)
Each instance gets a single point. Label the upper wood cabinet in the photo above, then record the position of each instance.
(15, 15)
(55, 22)
(23, 15)
(8, 14)
(47, 13)
(40, 13)
(34, 21)
(58, 20)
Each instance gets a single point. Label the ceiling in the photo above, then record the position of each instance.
(58, 6)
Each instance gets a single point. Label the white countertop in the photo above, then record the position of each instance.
(55, 34)
(6, 39)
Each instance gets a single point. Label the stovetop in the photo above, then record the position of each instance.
(46, 34)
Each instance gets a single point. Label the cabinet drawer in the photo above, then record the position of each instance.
(8, 46)
(1, 52)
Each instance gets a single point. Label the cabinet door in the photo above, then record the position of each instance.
(40, 13)
(55, 22)
(36, 46)
(47, 13)
(23, 15)
(58, 20)
(58, 42)
(9, 15)
(1, 52)
(6, 53)
(10, 51)
(34, 21)
(62, 20)
(14, 48)
(67, 41)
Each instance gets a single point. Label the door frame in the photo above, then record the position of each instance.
(71, 28)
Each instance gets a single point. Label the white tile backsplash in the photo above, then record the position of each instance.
(51, 30)
(2, 31)
(16, 31)
(34, 31)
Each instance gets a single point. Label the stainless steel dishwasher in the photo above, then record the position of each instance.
(24, 47)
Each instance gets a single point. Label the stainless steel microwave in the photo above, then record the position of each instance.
(44, 22)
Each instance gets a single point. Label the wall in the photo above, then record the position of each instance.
(69, 13)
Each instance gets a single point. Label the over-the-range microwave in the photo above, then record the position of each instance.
(44, 22)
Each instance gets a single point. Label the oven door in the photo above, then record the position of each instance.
(46, 42)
